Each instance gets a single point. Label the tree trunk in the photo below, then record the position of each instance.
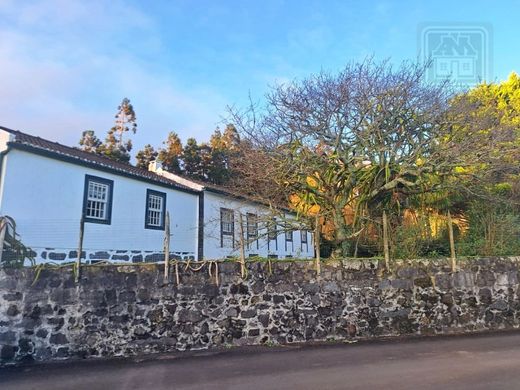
(341, 233)
(386, 247)
(452, 244)
(167, 248)
(317, 233)
(242, 247)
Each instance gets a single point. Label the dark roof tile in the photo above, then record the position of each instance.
(81, 156)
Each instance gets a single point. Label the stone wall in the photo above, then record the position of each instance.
(57, 256)
(125, 310)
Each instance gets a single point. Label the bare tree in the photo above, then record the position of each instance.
(361, 140)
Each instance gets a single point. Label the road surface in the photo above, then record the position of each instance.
(479, 362)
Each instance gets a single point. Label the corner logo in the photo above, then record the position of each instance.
(459, 52)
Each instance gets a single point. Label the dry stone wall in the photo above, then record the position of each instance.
(126, 310)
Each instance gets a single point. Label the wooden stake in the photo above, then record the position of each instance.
(317, 233)
(167, 247)
(386, 247)
(453, 257)
(80, 249)
(242, 248)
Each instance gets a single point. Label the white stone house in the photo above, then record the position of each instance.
(48, 188)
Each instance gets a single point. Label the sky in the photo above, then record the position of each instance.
(65, 65)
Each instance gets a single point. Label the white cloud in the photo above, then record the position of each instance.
(65, 65)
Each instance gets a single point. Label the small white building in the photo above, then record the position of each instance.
(48, 188)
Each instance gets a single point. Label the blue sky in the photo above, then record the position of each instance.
(65, 65)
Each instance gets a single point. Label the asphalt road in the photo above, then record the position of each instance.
(481, 362)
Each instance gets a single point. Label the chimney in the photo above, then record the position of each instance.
(155, 165)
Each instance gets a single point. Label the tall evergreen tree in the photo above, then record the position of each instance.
(145, 156)
(218, 172)
(90, 142)
(115, 147)
(192, 159)
(231, 138)
(171, 154)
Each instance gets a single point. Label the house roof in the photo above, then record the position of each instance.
(51, 149)
(34, 144)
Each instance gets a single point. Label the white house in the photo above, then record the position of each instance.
(265, 233)
(48, 188)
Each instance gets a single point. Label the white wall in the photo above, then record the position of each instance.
(45, 197)
(212, 244)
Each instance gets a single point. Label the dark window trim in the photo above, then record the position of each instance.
(222, 234)
(250, 218)
(101, 180)
(254, 218)
(270, 226)
(303, 233)
(291, 240)
(200, 247)
(146, 208)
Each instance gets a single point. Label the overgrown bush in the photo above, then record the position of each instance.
(494, 229)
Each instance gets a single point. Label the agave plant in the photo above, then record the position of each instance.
(13, 251)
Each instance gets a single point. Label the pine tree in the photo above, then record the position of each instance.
(115, 147)
(223, 147)
(171, 154)
(90, 142)
(218, 172)
(206, 162)
(192, 159)
(231, 138)
(145, 156)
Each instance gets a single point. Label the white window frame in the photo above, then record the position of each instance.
(155, 210)
(97, 200)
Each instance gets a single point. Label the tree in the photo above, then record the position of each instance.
(223, 147)
(489, 115)
(115, 147)
(145, 156)
(192, 159)
(354, 145)
(230, 138)
(170, 155)
(90, 142)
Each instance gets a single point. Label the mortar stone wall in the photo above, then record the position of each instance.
(122, 310)
(57, 256)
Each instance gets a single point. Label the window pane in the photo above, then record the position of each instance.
(226, 221)
(97, 200)
(154, 216)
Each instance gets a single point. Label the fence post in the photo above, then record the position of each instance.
(242, 249)
(317, 233)
(453, 258)
(80, 249)
(385, 241)
(167, 247)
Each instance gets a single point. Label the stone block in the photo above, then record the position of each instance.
(58, 339)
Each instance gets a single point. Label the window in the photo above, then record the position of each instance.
(227, 222)
(271, 230)
(303, 233)
(288, 235)
(155, 210)
(97, 200)
(252, 226)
